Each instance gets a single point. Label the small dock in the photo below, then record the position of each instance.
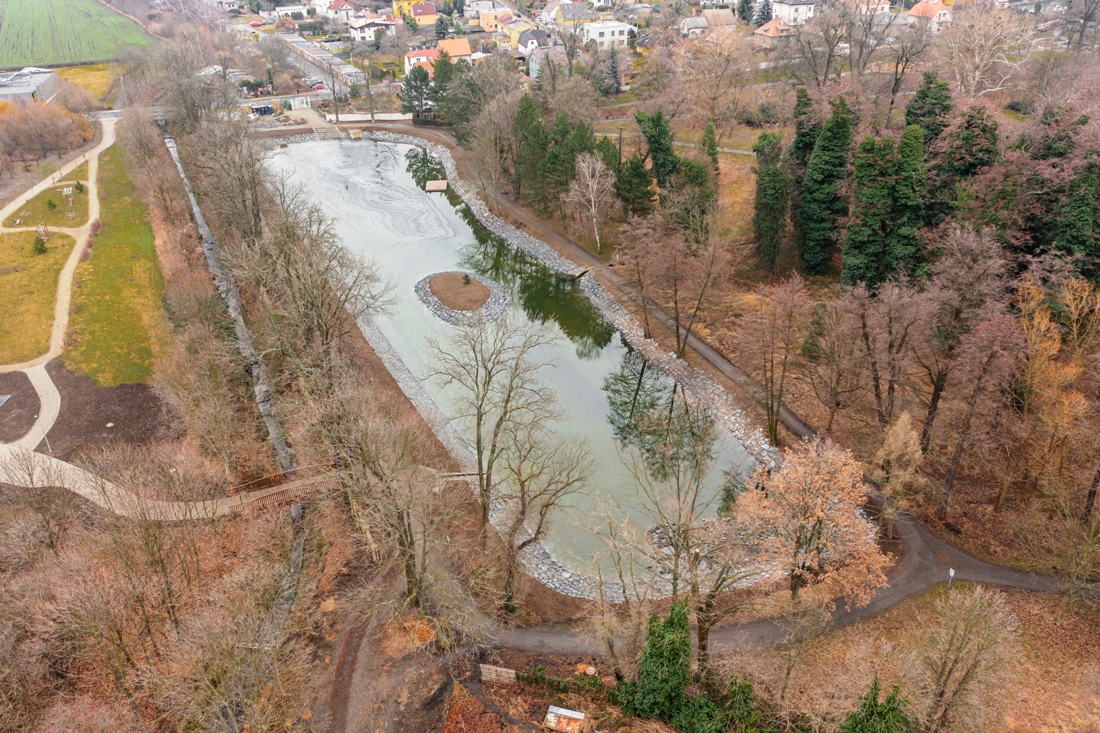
(435, 186)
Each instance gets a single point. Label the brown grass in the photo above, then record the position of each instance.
(459, 292)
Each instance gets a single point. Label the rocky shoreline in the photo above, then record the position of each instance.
(492, 310)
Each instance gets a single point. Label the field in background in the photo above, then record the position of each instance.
(29, 284)
(117, 320)
(94, 78)
(50, 32)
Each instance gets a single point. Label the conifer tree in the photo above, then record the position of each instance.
(441, 27)
(874, 171)
(1079, 220)
(903, 251)
(416, 92)
(972, 145)
(763, 13)
(664, 670)
(443, 74)
(709, 143)
(531, 143)
(633, 187)
(658, 138)
(891, 715)
(822, 203)
(930, 107)
(610, 85)
(744, 10)
(609, 153)
(773, 186)
(806, 130)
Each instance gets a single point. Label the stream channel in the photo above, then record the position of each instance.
(381, 212)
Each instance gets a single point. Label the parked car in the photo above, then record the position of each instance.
(255, 24)
(318, 86)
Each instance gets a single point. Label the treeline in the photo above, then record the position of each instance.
(36, 130)
(878, 201)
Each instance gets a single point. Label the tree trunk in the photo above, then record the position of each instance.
(1090, 502)
(933, 406)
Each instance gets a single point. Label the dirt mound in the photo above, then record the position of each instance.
(404, 636)
(459, 292)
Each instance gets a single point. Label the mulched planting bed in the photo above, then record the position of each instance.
(17, 414)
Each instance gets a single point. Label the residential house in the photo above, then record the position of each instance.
(456, 48)
(474, 8)
(30, 84)
(289, 11)
(542, 56)
(401, 8)
(793, 12)
(720, 17)
(693, 27)
(425, 57)
(231, 5)
(769, 34)
(573, 16)
(606, 33)
(502, 40)
(492, 20)
(548, 13)
(532, 39)
(514, 28)
(424, 14)
(933, 15)
(873, 7)
(340, 11)
(364, 29)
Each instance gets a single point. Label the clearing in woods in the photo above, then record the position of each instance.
(50, 32)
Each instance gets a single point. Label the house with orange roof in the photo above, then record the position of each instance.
(456, 48)
(423, 57)
(769, 34)
(340, 10)
(933, 15)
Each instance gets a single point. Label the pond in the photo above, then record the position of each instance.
(381, 211)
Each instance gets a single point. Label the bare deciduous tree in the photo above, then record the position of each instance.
(985, 49)
(834, 359)
(895, 469)
(593, 188)
(714, 77)
(967, 645)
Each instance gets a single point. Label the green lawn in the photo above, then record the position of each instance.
(37, 210)
(117, 319)
(29, 284)
(49, 32)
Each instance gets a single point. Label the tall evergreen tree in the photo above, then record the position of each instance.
(633, 186)
(874, 171)
(890, 715)
(822, 203)
(1079, 220)
(709, 143)
(443, 74)
(609, 81)
(609, 153)
(903, 250)
(773, 186)
(658, 138)
(971, 146)
(744, 10)
(440, 28)
(416, 92)
(764, 13)
(930, 107)
(806, 130)
(532, 141)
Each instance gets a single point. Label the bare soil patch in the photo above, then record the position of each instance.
(459, 292)
(17, 414)
(92, 415)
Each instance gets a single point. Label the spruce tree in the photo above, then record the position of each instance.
(744, 10)
(930, 108)
(416, 92)
(633, 186)
(610, 85)
(806, 130)
(874, 170)
(822, 203)
(442, 76)
(773, 186)
(709, 143)
(658, 139)
(763, 13)
(972, 145)
(531, 143)
(1079, 220)
(903, 250)
(891, 715)
(441, 27)
(609, 153)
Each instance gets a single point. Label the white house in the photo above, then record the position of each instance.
(340, 10)
(363, 29)
(873, 7)
(227, 5)
(606, 33)
(793, 12)
(935, 15)
(474, 8)
(287, 11)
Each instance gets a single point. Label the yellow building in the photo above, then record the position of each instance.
(492, 20)
(513, 30)
(403, 7)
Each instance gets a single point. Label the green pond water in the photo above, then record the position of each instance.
(381, 211)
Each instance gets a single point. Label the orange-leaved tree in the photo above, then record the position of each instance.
(807, 513)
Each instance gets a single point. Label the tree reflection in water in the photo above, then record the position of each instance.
(424, 167)
(675, 438)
